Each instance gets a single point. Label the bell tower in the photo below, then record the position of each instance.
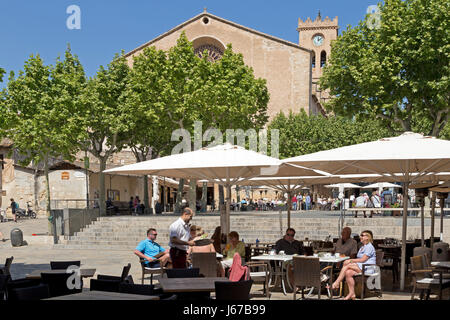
(317, 36)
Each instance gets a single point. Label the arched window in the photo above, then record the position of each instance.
(323, 59)
(313, 60)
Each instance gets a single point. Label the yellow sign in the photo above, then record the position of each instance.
(65, 176)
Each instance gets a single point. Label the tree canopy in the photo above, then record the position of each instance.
(397, 71)
(38, 110)
(103, 116)
(302, 134)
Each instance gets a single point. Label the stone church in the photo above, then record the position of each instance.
(292, 71)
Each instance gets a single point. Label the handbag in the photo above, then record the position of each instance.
(370, 204)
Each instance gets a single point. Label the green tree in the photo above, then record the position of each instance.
(302, 134)
(103, 116)
(232, 97)
(171, 90)
(2, 72)
(151, 129)
(398, 71)
(38, 107)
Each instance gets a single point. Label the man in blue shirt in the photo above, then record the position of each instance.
(308, 202)
(151, 251)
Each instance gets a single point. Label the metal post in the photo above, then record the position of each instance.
(433, 209)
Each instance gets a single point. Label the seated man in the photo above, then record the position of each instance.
(346, 245)
(155, 255)
(290, 246)
(111, 207)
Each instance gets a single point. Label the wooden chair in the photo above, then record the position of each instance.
(239, 290)
(183, 273)
(206, 262)
(30, 293)
(62, 265)
(57, 284)
(260, 274)
(391, 262)
(6, 268)
(374, 274)
(423, 278)
(4, 279)
(122, 277)
(149, 270)
(307, 273)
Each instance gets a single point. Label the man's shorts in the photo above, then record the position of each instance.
(153, 264)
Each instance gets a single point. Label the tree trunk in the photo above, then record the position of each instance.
(221, 195)
(47, 187)
(238, 194)
(177, 208)
(146, 198)
(101, 177)
(155, 196)
(48, 207)
(193, 194)
(204, 196)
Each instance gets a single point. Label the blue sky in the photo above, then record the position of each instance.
(108, 26)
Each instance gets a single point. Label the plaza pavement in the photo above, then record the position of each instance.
(37, 255)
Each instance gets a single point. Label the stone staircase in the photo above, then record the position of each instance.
(124, 233)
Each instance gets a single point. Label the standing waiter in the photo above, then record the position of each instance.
(179, 234)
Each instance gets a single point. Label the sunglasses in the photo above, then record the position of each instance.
(290, 234)
(363, 235)
(154, 234)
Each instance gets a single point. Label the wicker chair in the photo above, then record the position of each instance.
(239, 290)
(423, 278)
(391, 262)
(6, 268)
(62, 265)
(149, 270)
(375, 275)
(307, 273)
(30, 293)
(260, 274)
(206, 262)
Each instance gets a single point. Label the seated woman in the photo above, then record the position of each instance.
(231, 248)
(219, 239)
(197, 233)
(366, 255)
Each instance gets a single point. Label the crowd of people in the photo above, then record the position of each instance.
(184, 240)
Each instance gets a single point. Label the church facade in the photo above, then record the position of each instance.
(291, 70)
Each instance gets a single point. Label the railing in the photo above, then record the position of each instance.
(73, 204)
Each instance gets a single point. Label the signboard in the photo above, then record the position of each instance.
(65, 175)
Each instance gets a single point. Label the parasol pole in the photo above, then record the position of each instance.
(433, 209)
(404, 229)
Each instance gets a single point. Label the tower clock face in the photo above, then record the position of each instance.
(318, 40)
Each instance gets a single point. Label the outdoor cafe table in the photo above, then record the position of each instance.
(282, 260)
(441, 267)
(104, 295)
(84, 273)
(173, 285)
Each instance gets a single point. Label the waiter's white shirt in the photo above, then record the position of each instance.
(181, 230)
